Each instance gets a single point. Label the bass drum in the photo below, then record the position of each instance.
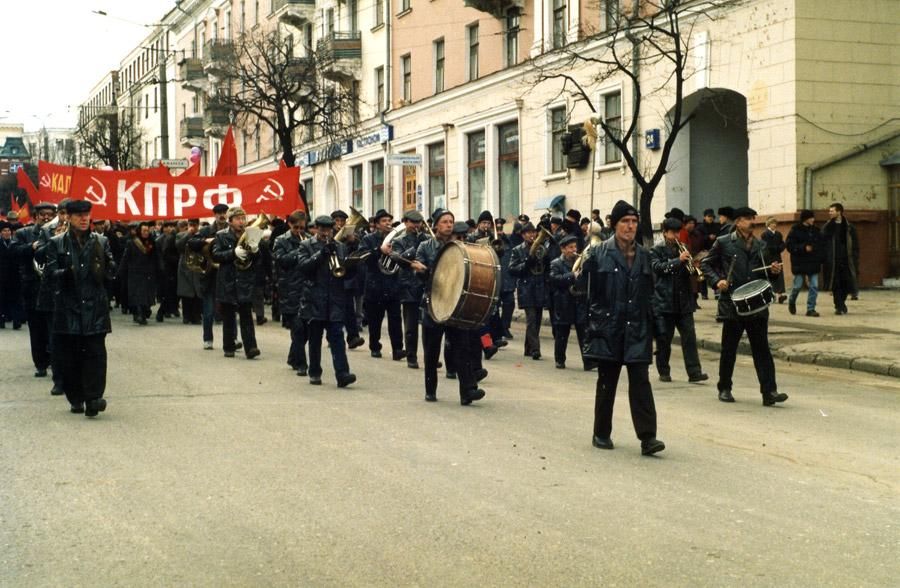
(465, 285)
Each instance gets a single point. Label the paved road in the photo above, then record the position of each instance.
(215, 472)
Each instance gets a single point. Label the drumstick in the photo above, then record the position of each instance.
(764, 268)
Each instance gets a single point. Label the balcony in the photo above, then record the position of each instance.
(218, 55)
(192, 131)
(295, 13)
(497, 8)
(340, 55)
(190, 71)
(216, 119)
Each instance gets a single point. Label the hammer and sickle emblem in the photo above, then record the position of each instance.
(272, 194)
(93, 197)
(45, 181)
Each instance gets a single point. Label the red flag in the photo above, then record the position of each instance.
(192, 172)
(228, 161)
(24, 216)
(26, 184)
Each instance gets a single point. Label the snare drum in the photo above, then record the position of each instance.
(753, 297)
(465, 285)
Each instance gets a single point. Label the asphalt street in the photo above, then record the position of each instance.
(210, 471)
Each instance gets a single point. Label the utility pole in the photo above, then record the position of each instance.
(164, 96)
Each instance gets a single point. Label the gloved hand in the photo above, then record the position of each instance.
(254, 247)
(329, 248)
(241, 253)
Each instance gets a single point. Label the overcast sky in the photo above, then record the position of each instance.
(56, 50)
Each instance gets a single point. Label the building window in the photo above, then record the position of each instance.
(438, 66)
(404, 5)
(406, 71)
(329, 21)
(308, 191)
(243, 16)
(258, 139)
(436, 178)
(356, 177)
(559, 23)
(476, 171)
(612, 116)
(508, 169)
(256, 13)
(377, 173)
(513, 19)
(245, 141)
(472, 34)
(379, 87)
(557, 129)
(353, 7)
(379, 12)
(410, 182)
(610, 14)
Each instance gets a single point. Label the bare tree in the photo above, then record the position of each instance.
(111, 137)
(653, 34)
(296, 96)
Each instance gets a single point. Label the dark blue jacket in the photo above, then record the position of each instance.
(80, 272)
(531, 287)
(323, 298)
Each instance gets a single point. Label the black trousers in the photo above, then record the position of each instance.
(533, 318)
(507, 306)
(411, 314)
(375, 312)
(640, 399)
(297, 353)
(192, 309)
(456, 353)
(334, 333)
(82, 361)
(351, 322)
(39, 333)
(561, 341)
(665, 332)
(229, 325)
(758, 334)
(842, 286)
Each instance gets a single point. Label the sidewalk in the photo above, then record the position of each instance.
(866, 339)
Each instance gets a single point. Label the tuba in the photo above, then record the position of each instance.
(537, 250)
(200, 262)
(251, 238)
(355, 221)
(386, 264)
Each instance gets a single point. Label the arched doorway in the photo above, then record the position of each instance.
(708, 166)
(331, 191)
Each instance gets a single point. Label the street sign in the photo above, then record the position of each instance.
(171, 163)
(404, 159)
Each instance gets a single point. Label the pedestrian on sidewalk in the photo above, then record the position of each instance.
(842, 257)
(775, 246)
(807, 249)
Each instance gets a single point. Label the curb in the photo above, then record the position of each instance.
(824, 359)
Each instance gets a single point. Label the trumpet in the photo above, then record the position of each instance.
(537, 250)
(338, 270)
(691, 268)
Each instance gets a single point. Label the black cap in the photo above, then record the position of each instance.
(4, 225)
(220, 208)
(78, 206)
(556, 220)
(471, 223)
(523, 218)
(568, 239)
(438, 213)
(383, 214)
(44, 206)
(744, 211)
(727, 211)
(485, 216)
(671, 224)
(339, 214)
(528, 227)
(622, 209)
(500, 221)
(459, 227)
(574, 215)
(413, 215)
(805, 214)
(675, 213)
(709, 212)
(324, 221)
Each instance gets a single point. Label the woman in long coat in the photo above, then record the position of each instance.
(141, 270)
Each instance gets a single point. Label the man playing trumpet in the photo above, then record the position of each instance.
(234, 284)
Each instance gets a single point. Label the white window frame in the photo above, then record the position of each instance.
(600, 149)
(549, 174)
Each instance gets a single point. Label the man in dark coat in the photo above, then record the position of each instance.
(807, 249)
(726, 220)
(80, 261)
(618, 279)
(201, 243)
(141, 270)
(568, 309)
(774, 248)
(673, 304)
(354, 282)
(167, 264)
(234, 284)
(530, 272)
(191, 283)
(323, 302)
(10, 282)
(730, 265)
(26, 242)
(507, 302)
(381, 296)
(460, 340)
(410, 287)
(291, 284)
(842, 256)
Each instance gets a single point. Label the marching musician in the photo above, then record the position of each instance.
(202, 243)
(291, 283)
(190, 284)
(729, 265)
(673, 303)
(323, 301)
(167, 265)
(432, 332)
(402, 251)
(507, 302)
(568, 310)
(381, 294)
(353, 283)
(618, 280)
(529, 268)
(80, 262)
(25, 243)
(491, 332)
(234, 284)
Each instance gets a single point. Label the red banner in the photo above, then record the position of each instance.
(126, 196)
(55, 181)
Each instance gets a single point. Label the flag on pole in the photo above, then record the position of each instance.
(26, 184)
(228, 159)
